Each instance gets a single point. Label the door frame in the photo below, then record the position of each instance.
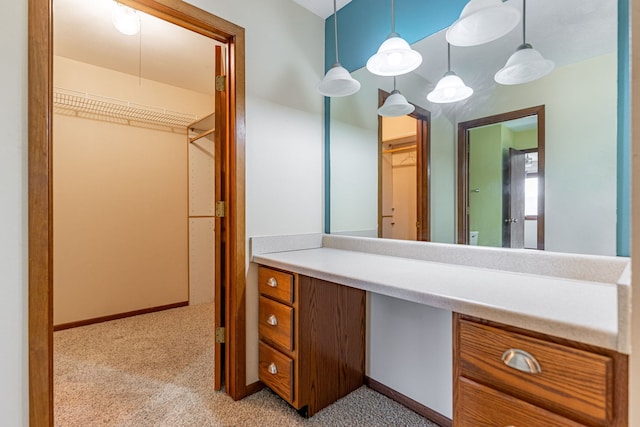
(40, 228)
(463, 166)
(423, 168)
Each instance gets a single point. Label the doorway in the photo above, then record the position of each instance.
(501, 180)
(403, 175)
(40, 194)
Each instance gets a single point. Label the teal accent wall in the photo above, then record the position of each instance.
(327, 165)
(364, 24)
(623, 226)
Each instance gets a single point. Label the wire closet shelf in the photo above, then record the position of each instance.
(96, 107)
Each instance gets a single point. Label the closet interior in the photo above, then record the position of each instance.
(133, 167)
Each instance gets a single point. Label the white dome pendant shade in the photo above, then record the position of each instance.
(337, 82)
(482, 21)
(450, 88)
(394, 56)
(396, 104)
(125, 19)
(526, 64)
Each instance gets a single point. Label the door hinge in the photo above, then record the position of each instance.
(221, 209)
(221, 83)
(220, 335)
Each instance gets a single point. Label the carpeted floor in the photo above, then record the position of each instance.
(157, 370)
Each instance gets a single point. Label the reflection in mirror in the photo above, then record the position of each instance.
(580, 101)
(498, 199)
(403, 210)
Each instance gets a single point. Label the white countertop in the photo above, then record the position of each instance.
(579, 310)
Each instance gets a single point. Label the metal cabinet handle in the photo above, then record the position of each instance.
(272, 282)
(273, 369)
(272, 320)
(521, 360)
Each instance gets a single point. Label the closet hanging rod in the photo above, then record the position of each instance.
(400, 149)
(83, 102)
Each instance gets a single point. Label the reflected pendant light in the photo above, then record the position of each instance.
(482, 21)
(526, 64)
(125, 19)
(394, 56)
(450, 88)
(337, 81)
(396, 104)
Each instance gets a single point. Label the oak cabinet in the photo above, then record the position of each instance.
(509, 376)
(312, 338)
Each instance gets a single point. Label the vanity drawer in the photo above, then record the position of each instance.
(275, 323)
(276, 284)
(276, 371)
(486, 407)
(571, 381)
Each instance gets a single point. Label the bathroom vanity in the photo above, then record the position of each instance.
(537, 336)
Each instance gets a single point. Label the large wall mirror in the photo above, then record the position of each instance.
(568, 183)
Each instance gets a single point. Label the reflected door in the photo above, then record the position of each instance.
(513, 231)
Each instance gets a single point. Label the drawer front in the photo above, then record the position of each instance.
(480, 406)
(571, 381)
(276, 371)
(276, 284)
(275, 323)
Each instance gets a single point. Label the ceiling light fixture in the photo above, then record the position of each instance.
(396, 104)
(526, 64)
(450, 88)
(394, 56)
(482, 21)
(337, 81)
(125, 19)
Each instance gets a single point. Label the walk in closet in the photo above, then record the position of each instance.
(133, 170)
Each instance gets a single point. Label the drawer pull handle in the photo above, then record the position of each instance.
(521, 360)
(272, 320)
(272, 282)
(273, 369)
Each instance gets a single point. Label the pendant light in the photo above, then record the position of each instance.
(125, 19)
(526, 64)
(450, 88)
(396, 104)
(394, 56)
(337, 81)
(482, 21)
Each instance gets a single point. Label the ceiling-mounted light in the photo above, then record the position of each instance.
(526, 64)
(125, 19)
(337, 81)
(450, 88)
(394, 56)
(482, 21)
(396, 104)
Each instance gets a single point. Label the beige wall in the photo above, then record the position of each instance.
(120, 201)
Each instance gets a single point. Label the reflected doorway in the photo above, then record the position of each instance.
(501, 180)
(403, 178)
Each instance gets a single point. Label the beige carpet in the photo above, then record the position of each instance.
(156, 370)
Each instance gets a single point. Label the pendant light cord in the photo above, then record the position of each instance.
(524, 20)
(393, 18)
(335, 28)
(394, 83)
(448, 57)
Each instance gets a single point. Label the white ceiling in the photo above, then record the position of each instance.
(161, 51)
(322, 8)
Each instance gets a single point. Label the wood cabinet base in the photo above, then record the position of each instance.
(320, 356)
